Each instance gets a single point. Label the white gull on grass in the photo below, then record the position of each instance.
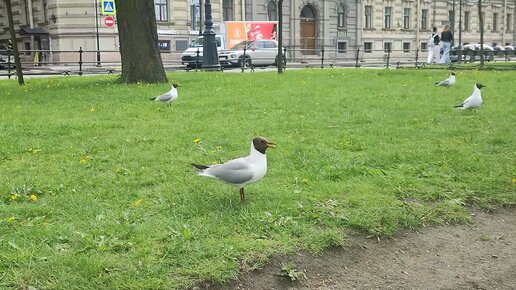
(474, 101)
(241, 171)
(167, 97)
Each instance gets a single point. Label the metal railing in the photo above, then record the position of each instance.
(81, 62)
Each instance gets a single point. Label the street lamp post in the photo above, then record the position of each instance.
(210, 57)
(97, 31)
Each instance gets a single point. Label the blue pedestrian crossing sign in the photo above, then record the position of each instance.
(108, 7)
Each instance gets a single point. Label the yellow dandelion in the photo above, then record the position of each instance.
(11, 219)
(84, 159)
(14, 197)
(197, 140)
(514, 180)
(117, 170)
(138, 202)
(304, 181)
(33, 197)
(92, 109)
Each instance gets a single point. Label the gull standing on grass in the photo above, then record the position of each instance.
(167, 97)
(450, 81)
(474, 101)
(241, 171)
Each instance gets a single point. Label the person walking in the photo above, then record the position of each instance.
(447, 40)
(434, 50)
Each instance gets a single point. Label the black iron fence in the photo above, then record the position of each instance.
(81, 62)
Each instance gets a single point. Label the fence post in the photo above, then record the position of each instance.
(356, 57)
(243, 60)
(388, 57)
(197, 59)
(417, 56)
(80, 60)
(322, 57)
(9, 63)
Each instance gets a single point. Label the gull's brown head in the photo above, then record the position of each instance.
(261, 144)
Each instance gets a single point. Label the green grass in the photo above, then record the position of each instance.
(119, 206)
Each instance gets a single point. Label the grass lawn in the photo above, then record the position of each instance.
(97, 191)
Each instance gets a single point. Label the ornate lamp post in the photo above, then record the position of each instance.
(210, 57)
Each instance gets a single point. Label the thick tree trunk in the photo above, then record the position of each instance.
(481, 24)
(139, 48)
(17, 61)
(279, 36)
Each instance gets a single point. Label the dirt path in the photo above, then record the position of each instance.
(477, 256)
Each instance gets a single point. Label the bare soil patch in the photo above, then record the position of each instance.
(481, 255)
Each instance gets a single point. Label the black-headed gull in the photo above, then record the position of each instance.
(474, 101)
(450, 81)
(167, 97)
(241, 171)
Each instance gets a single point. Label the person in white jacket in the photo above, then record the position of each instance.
(434, 50)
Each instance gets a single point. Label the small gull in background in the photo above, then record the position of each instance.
(167, 97)
(474, 101)
(450, 81)
(241, 171)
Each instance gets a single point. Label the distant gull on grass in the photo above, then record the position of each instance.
(474, 101)
(167, 97)
(241, 171)
(450, 81)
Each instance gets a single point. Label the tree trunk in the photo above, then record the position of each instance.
(481, 24)
(17, 61)
(139, 48)
(279, 36)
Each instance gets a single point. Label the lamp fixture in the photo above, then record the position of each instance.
(53, 17)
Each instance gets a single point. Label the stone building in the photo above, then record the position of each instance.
(338, 26)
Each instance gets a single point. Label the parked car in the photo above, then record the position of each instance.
(252, 53)
(6, 56)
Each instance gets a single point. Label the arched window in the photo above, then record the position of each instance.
(307, 12)
(341, 16)
(272, 11)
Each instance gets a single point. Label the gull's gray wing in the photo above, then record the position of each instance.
(165, 97)
(235, 171)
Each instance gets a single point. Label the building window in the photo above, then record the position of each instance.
(341, 47)
(341, 16)
(466, 20)
(406, 18)
(369, 16)
(387, 19)
(368, 47)
(424, 46)
(272, 11)
(495, 21)
(508, 27)
(160, 7)
(387, 46)
(195, 15)
(424, 19)
(406, 46)
(227, 10)
(164, 45)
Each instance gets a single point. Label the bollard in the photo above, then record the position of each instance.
(80, 60)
